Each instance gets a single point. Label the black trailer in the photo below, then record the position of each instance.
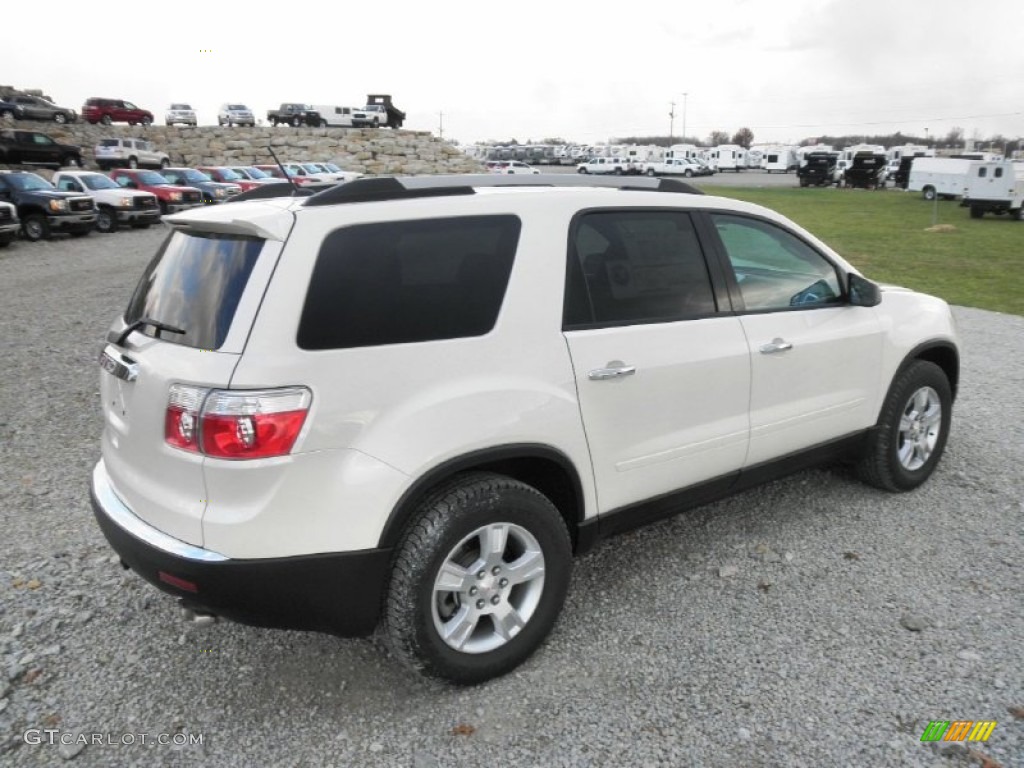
(818, 169)
(867, 171)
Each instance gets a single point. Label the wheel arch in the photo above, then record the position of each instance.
(942, 354)
(545, 468)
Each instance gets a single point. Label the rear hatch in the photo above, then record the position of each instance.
(185, 327)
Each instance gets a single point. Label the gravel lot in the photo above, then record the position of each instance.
(811, 622)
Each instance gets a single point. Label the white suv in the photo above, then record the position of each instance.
(408, 402)
(180, 113)
(235, 114)
(129, 153)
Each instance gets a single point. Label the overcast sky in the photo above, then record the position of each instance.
(788, 69)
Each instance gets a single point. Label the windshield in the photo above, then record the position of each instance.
(331, 167)
(181, 108)
(226, 174)
(110, 142)
(238, 108)
(27, 182)
(151, 178)
(98, 181)
(312, 167)
(256, 173)
(190, 174)
(195, 283)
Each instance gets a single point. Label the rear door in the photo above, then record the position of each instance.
(207, 287)
(663, 378)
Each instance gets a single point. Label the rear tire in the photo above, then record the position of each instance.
(60, 118)
(106, 120)
(478, 579)
(133, 162)
(910, 436)
(928, 193)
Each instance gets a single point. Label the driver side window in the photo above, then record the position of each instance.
(775, 269)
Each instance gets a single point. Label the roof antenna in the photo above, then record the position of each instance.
(295, 187)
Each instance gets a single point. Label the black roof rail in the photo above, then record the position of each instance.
(397, 188)
(280, 188)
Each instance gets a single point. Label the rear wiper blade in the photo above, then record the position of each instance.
(156, 324)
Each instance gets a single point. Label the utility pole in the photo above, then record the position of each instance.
(671, 120)
(440, 125)
(684, 116)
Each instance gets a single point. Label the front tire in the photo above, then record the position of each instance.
(106, 221)
(478, 579)
(35, 227)
(133, 162)
(911, 433)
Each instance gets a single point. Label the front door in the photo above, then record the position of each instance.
(815, 359)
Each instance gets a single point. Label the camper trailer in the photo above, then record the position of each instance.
(728, 157)
(779, 158)
(944, 177)
(995, 187)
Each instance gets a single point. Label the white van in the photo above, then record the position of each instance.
(939, 176)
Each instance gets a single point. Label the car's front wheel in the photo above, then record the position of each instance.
(106, 221)
(478, 579)
(35, 227)
(911, 432)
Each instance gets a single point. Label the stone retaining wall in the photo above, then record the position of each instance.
(376, 151)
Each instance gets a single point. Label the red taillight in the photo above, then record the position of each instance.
(235, 424)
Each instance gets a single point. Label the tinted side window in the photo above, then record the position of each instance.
(408, 281)
(774, 268)
(635, 267)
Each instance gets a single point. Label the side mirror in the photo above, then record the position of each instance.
(863, 292)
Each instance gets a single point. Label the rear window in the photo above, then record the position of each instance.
(110, 142)
(409, 281)
(194, 283)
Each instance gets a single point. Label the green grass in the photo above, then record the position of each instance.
(883, 233)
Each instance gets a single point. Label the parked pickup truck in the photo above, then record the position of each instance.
(34, 148)
(114, 205)
(9, 224)
(42, 209)
(294, 114)
(675, 167)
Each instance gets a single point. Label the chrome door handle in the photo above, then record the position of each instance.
(600, 374)
(775, 345)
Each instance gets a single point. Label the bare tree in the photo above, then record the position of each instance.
(717, 137)
(744, 137)
(955, 137)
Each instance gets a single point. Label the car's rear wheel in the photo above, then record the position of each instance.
(133, 162)
(60, 117)
(146, 120)
(911, 433)
(478, 579)
(650, 171)
(165, 163)
(106, 221)
(35, 227)
(296, 122)
(106, 120)
(928, 193)
(6, 115)
(71, 161)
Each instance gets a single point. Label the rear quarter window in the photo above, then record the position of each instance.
(408, 281)
(195, 283)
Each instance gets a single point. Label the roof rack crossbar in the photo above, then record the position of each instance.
(395, 188)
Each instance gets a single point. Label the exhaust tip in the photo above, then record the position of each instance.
(197, 617)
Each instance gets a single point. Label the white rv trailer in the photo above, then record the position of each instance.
(683, 152)
(779, 158)
(755, 156)
(939, 176)
(728, 157)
